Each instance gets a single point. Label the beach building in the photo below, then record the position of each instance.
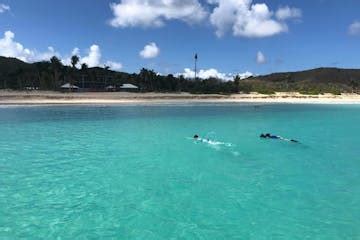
(69, 87)
(111, 88)
(127, 87)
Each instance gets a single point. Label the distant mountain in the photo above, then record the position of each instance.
(319, 75)
(16, 74)
(316, 80)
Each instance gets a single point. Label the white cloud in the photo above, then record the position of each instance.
(114, 65)
(260, 58)
(75, 51)
(93, 58)
(10, 48)
(4, 8)
(44, 56)
(67, 59)
(287, 12)
(246, 19)
(242, 17)
(154, 13)
(354, 28)
(212, 73)
(150, 51)
(246, 74)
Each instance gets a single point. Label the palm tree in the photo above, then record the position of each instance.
(84, 68)
(106, 68)
(237, 80)
(56, 66)
(148, 77)
(74, 61)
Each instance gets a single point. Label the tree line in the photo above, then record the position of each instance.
(51, 75)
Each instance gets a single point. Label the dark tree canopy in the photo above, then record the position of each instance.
(74, 61)
(84, 66)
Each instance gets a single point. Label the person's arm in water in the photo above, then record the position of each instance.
(289, 140)
(275, 137)
(284, 139)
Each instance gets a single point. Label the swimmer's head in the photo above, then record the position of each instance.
(196, 136)
(263, 135)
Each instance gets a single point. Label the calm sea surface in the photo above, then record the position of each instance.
(133, 172)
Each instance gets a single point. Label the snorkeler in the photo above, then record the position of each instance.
(269, 136)
(211, 142)
(197, 138)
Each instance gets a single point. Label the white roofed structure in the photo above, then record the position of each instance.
(69, 86)
(129, 86)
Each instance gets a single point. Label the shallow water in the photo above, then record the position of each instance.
(133, 172)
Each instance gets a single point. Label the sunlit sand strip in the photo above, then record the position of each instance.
(52, 98)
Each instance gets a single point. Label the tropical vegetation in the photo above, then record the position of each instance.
(51, 75)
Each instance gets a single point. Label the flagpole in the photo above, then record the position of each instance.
(196, 58)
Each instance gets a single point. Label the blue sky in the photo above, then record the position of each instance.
(230, 36)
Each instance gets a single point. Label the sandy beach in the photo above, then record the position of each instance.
(47, 97)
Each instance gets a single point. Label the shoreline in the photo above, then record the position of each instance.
(11, 98)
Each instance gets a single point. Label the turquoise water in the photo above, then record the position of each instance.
(132, 172)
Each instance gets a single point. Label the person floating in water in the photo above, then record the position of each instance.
(270, 136)
(197, 138)
(211, 142)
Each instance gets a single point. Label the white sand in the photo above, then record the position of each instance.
(42, 97)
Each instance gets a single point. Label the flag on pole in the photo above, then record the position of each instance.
(196, 56)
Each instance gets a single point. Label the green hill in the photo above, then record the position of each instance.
(320, 80)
